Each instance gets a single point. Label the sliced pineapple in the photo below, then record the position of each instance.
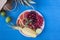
(29, 32)
(26, 31)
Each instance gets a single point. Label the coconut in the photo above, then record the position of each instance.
(2, 3)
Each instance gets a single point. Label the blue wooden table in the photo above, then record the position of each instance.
(50, 9)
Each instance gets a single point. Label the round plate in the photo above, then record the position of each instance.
(42, 27)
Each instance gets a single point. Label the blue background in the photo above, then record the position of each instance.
(50, 9)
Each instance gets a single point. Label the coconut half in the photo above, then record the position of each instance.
(2, 3)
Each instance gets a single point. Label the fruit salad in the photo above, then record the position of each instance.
(31, 19)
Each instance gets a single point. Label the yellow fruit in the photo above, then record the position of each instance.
(29, 32)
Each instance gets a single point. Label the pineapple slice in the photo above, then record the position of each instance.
(27, 31)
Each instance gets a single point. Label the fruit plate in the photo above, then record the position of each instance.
(43, 23)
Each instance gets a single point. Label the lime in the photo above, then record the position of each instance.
(38, 30)
(8, 19)
(3, 13)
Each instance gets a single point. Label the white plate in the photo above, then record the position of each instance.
(39, 14)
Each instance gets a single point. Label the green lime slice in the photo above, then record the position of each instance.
(38, 30)
(3, 14)
(8, 19)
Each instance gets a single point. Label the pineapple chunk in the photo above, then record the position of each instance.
(26, 31)
(29, 32)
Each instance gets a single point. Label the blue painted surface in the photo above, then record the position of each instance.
(50, 9)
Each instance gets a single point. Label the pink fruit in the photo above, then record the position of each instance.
(32, 19)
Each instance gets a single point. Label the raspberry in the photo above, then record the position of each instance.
(39, 19)
(32, 19)
(32, 16)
